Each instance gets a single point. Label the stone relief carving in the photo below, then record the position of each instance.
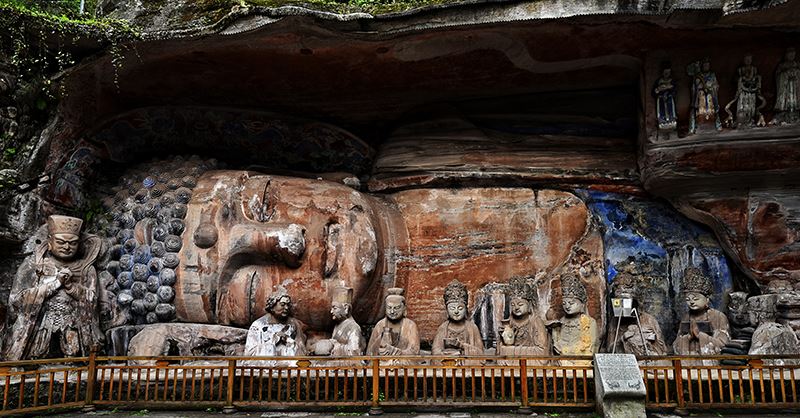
(458, 335)
(55, 297)
(665, 91)
(524, 333)
(787, 103)
(576, 332)
(277, 333)
(704, 330)
(253, 233)
(705, 97)
(642, 337)
(346, 339)
(748, 98)
(394, 335)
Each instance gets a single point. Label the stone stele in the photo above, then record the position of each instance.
(619, 388)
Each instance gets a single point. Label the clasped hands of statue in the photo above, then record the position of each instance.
(453, 343)
(64, 276)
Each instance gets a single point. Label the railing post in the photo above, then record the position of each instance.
(229, 408)
(678, 370)
(376, 400)
(523, 373)
(88, 404)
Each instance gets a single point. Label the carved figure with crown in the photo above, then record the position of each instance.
(576, 332)
(640, 337)
(458, 335)
(703, 330)
(346, 339)
(394, 335)
(524, 333)
(54, 301)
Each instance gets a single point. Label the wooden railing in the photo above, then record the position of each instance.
(761, 382)
(41, 385)
(376, 383)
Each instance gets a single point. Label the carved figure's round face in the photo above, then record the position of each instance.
(666, 73)
(572, 306)
(706, 66)
(395, 310)
(248, 234)
(64, 246)
(790, 55)
(696, 301)
(520, 307)
(748, 60)
(340, 311)
(456, 311)
(282, 308)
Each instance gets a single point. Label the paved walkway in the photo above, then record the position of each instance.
(217, 414)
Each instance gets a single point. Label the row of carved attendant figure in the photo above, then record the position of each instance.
(743, 111)
(704, 331)
(55, 299)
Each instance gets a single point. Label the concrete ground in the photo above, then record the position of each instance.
(257, 414)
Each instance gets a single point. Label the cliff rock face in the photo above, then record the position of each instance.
(477, 143)
(490, 235)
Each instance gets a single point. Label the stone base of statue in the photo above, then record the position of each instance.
(619, 388)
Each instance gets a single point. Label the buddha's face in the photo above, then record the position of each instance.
(340, 311)
(572, 306)
(456, 311)
(790, 54)
(696, 301)
(520, 307)
(63, 246)
(395, 310)
(248, 234)
(666, 73)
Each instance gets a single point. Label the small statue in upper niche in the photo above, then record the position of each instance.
(394, 335)
(640, 337)
(748, 95)
(346, 339)
(458, 336)
(575, 333)
(787, 103)
(524, 333)
(665, 91)
(704, 330)
(705, 96)
(54, 301)
(278, 333)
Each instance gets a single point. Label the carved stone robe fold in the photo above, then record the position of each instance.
(469, 336)
(406, 343)
(347, 339)
(707, 344)
(42, 308)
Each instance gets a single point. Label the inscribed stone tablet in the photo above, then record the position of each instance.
(619, 374)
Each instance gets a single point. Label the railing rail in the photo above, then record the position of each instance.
(381, 382)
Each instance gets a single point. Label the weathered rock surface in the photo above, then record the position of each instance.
(655, 243)
(480, 236)
(187, 340)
